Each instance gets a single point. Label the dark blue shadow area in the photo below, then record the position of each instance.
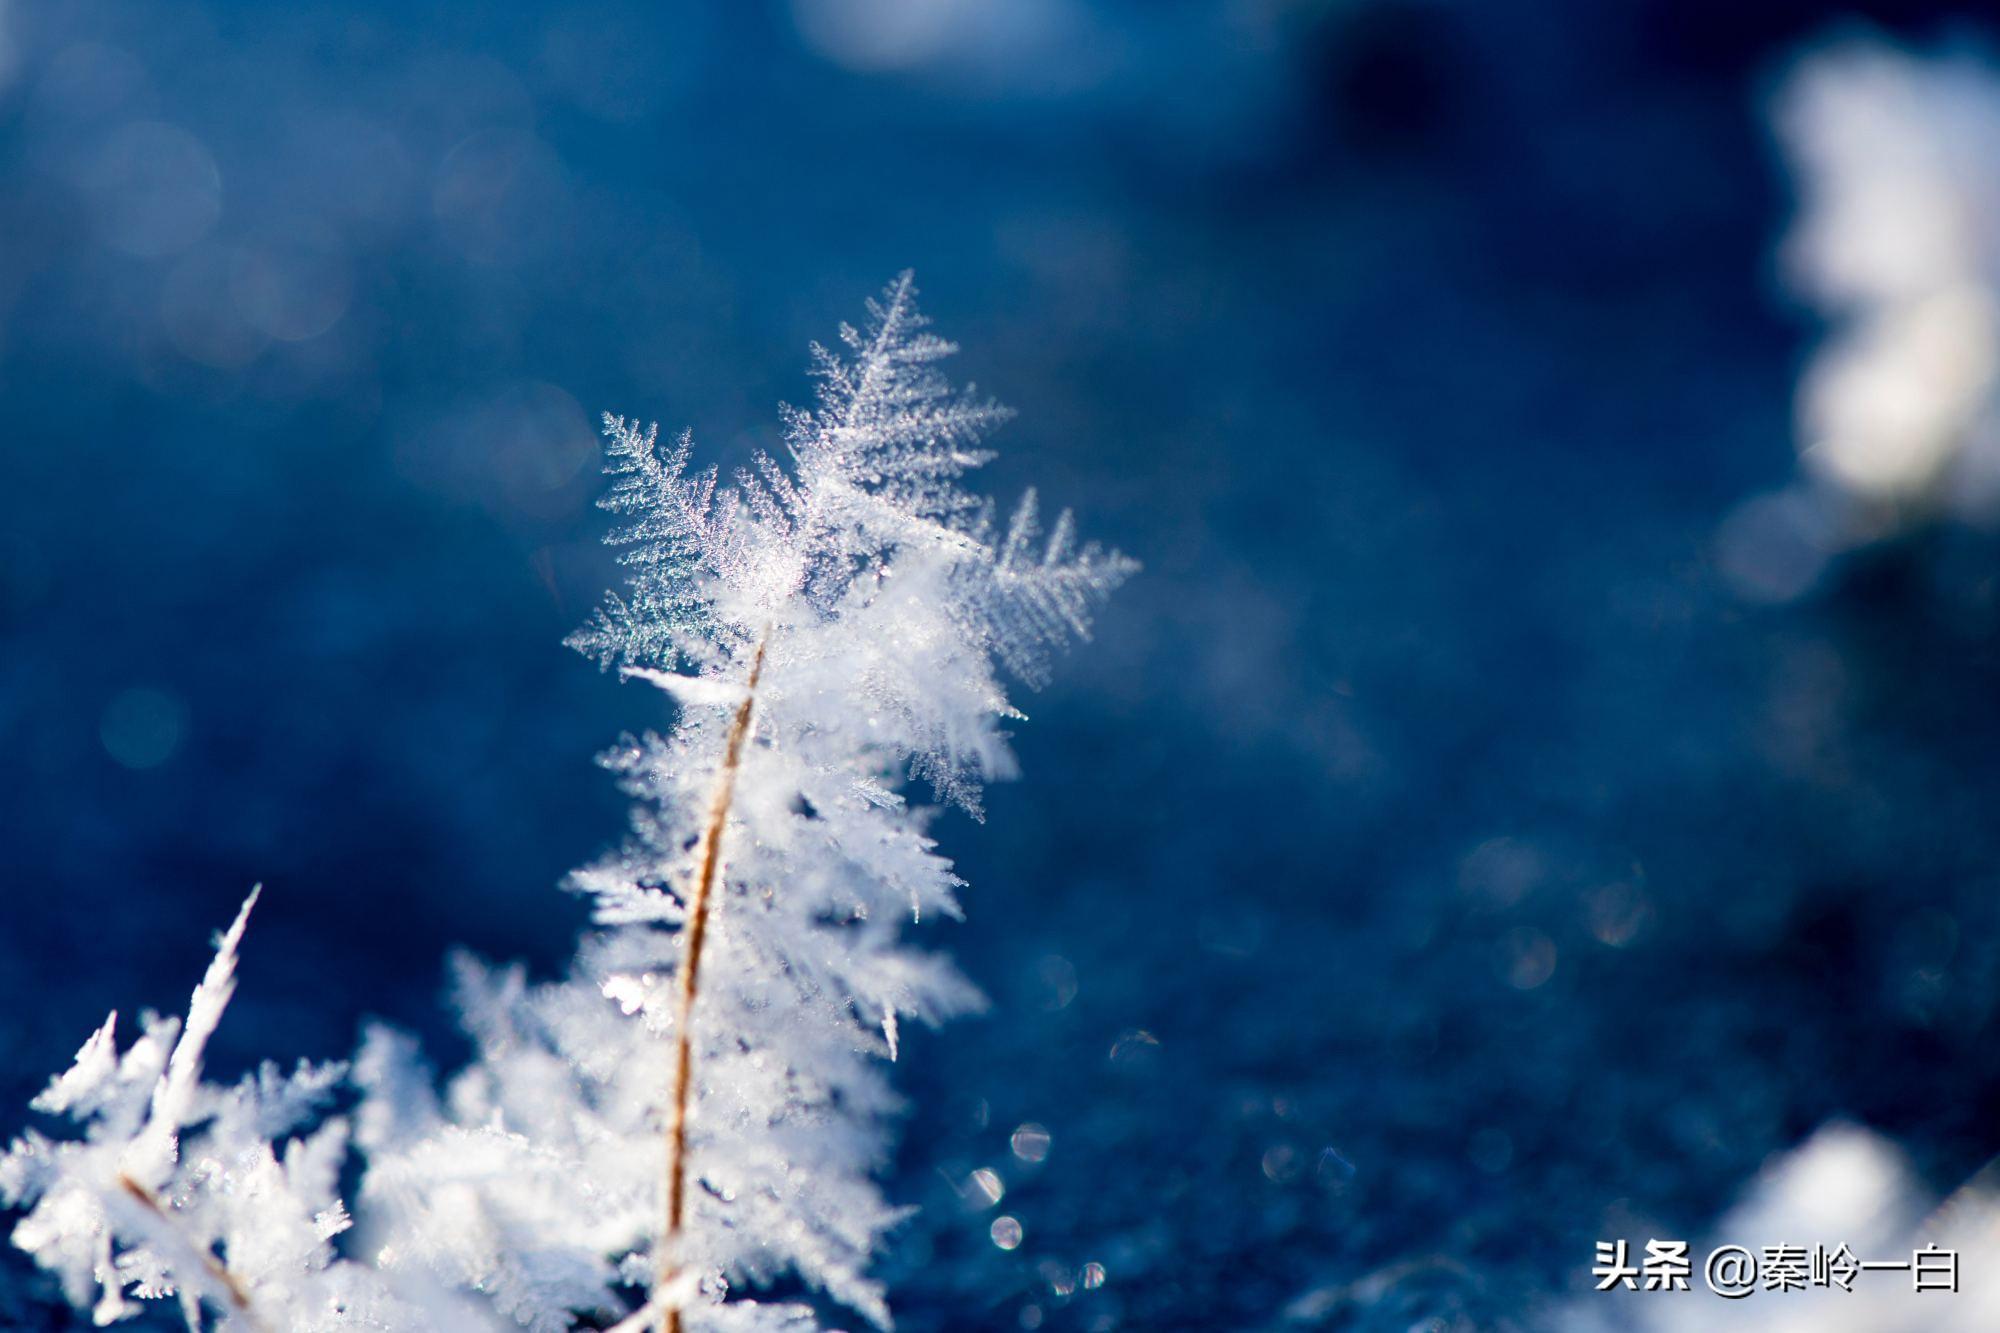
(1430, 864)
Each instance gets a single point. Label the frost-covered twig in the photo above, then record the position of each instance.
(855, 605)
(707, 857)
(177, 1189)
(830, 632)
(217, 1271)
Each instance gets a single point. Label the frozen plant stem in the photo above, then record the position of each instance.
(886, 599)
(690, 984)
(238, 1297)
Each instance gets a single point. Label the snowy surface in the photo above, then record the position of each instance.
(1435, 866)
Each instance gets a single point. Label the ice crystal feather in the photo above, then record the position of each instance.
(700, 1106)
(828, 626)
(180, 1189)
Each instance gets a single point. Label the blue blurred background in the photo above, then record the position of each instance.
(1432, 866)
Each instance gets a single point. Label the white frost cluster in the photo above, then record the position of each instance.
(182, 1189)
(1897, 244)
(845, 616)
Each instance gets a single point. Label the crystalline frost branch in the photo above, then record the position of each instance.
(700, 1106)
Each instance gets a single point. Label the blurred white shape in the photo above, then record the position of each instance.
(1888, 147)
(881, 34)
(1887, 407)
(1897, 243)
(1049, 47)
(984, 1188)
(152, 189)
(1843, 1186)
(1846, 1187)
(1031, 1142)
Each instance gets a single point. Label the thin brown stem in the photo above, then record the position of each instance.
(238, 1296)
(693, 936)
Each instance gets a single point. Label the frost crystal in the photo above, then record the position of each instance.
(826, 629)
(178, 1188)
(701, 1105)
